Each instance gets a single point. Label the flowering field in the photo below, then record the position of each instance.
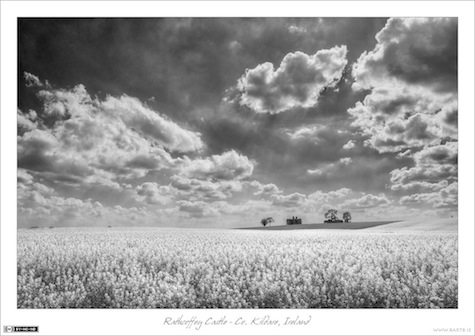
(166, 268)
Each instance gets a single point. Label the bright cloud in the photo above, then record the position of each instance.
(349, 145)
(412, 75)
(288, 201)
(296, 83)
(412, 107)
(196, 189)
(445, 198)
(89, 138)
(296, 135)
(367, 201)
(39, 204)
(33, 81)
(227, 166)
(435, 167)
(152, 193)
(417, 51)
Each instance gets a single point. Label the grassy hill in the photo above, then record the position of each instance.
(444, 224)
(323, 226)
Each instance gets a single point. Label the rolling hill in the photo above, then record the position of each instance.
(323, 226)
(444, 224)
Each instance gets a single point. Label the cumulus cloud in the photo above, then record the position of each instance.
(346, 160)
(412, 106)
(247, 211)
(367, 201)
(122, 111)
(440, 154)
(195, 189)
(289, 201)
(399, 134)
(432, 174)
(98, 140)
(338, 167)
(341, 199)
(153, 193)
(34, 81)
(26, 121)
(251, 208)
(265, 189)
(296, 30)
(419, 186)
(325, 197)
(297, 82)
(417, 51)
(155, 127)
(40, 205)
(197, 209)
(393, 126)
(227, 166)
(306, 132)
(316, 171)
(324, 141)
(445, 198)
(412, 75)
(434, 167)
(349, 145)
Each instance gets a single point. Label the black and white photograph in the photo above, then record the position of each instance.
(255, 165)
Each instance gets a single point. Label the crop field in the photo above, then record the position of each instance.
(191, 268)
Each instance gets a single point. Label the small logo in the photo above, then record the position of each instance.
(23, 329)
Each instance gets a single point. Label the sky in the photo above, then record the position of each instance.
(220, 122)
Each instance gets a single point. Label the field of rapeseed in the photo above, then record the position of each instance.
(166, 268)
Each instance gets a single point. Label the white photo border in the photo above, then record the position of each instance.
(323, 321)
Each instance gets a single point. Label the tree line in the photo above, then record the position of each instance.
(330, 217)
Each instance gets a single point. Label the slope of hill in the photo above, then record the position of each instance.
(323, 226)
(444, 224)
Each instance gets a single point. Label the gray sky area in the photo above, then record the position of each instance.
(219, 122)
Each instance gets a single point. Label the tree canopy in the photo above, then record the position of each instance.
(347, 216)
(268, 220)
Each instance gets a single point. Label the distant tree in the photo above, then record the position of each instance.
(347, 217)
(265, 221)
(331, 215)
